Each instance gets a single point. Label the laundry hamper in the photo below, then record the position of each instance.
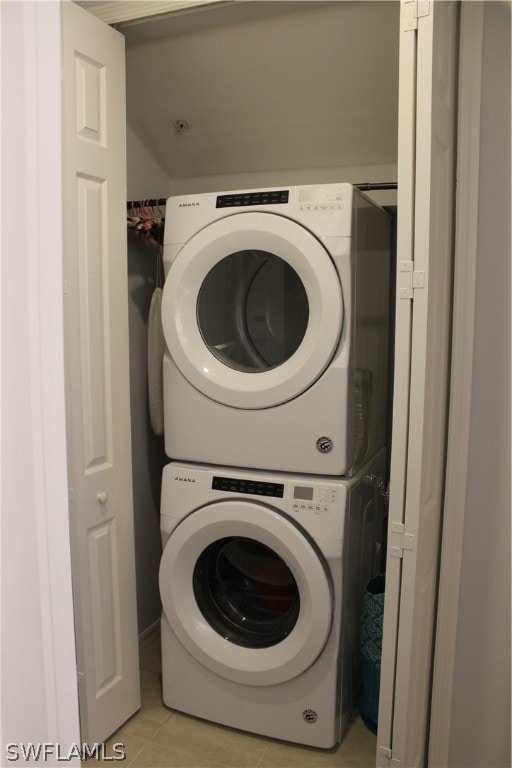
(371, 650)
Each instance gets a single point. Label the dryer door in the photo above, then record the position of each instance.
(246, 592)
(252, 310)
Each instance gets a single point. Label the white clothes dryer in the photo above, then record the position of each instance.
(262, 578)
(275, 316)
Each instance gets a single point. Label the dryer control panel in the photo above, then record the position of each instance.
(253, 487)
(239, 199)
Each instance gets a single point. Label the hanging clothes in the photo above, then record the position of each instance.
(145, 221)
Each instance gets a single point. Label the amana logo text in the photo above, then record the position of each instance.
(188, 205)
(185, 479)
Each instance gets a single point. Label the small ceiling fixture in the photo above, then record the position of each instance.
(181, 125)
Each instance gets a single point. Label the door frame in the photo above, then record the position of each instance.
(470, 223)
(415, 522)
(38, 642)
(39, 129)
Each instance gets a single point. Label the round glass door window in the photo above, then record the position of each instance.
(246, 592)
(252, 311)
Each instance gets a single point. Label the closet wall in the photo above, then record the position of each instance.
(145, 179)
(275, 94)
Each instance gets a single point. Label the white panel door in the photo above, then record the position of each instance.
(428, 68)
(97, 386)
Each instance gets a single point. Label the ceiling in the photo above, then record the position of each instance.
(262, 86)
(116, 11)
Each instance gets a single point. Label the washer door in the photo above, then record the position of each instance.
(246, 593)
(252, 310)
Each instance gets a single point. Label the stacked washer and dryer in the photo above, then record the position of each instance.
(275, 317)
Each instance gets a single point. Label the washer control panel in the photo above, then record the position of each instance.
(306, 498)
(321, 199)
(317, 499)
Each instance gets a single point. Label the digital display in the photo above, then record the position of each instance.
(321, 195)
(315, 195)
(302, 492)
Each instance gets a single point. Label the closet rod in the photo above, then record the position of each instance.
(146, 203)
(378, 185)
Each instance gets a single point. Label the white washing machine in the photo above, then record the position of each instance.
(275, 316)
(261, 579)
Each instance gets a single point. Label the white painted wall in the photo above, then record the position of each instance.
(145, 176)
(480, 716)
(38, 679)
(313, 85)
(233, 181)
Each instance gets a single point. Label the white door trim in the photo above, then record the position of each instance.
(38, 655)
(417, 533)
(402, 378)
(466, 241)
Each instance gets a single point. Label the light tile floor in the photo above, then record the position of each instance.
(158, 737)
